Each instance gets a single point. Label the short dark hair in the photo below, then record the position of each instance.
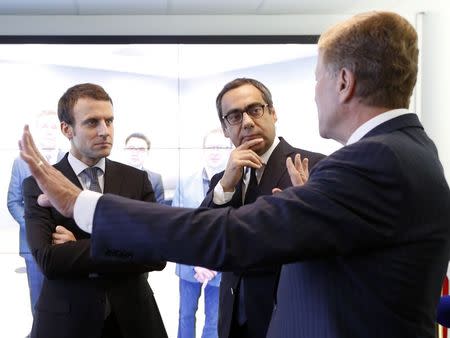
(69, 99)
(141, 136)
(381, 49)
(265, 93)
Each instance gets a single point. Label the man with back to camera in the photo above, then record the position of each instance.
(190, 192)
(81, 298)
(246, 112)
(137, 146)
(365, 241)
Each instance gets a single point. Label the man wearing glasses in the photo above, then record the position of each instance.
(246, 113)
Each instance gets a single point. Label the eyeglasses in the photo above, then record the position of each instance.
(254, 110)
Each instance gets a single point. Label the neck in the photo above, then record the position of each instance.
(357, 116)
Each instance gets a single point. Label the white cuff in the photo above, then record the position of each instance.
(84, 209)
(221, 197)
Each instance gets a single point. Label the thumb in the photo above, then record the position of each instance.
(43, 201)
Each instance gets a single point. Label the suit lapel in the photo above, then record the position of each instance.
(65, 167)
(113, 180)
(275, 168)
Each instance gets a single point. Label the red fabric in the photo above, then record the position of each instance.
(445, 286)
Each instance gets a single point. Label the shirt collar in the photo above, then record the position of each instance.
(374, 122)
(79, 166)
(265, 157)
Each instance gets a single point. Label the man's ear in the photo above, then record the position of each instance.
(346, 85)
(273, 113)
(67, 130)
(225, 130)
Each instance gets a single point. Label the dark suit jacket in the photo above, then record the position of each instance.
(260, 284)
(72, 301)
(366, 240)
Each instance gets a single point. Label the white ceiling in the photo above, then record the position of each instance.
(200, 7)
(137, 58)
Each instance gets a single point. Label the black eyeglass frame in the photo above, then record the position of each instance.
(245, 110)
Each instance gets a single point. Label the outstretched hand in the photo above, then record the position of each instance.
(60, 192)
(298, 171)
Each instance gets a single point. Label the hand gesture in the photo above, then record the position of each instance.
(240, 157)
(61, 193)
(298, 171)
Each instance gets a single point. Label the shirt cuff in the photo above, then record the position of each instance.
(84, 209)
(221, 197)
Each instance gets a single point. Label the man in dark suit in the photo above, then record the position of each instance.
(246, 112)
(365, 241)
(81, 298)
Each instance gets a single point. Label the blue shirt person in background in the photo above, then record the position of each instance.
(190, 192)
(137, 146)
(46, 130)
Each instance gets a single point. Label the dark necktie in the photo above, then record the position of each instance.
(251, 194)
(92, 173)
(252, 188)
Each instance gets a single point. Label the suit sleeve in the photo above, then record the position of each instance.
(341, 209)
(71, 259)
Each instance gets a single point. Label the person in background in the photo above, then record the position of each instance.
(46, 129)
(190, 192)
(79, 297)
(137, 147)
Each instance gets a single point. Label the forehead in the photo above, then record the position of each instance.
(86, 108)
(136, 142)
(237, 97)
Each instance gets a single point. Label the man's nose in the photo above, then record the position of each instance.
(247, 121)
(102, 128)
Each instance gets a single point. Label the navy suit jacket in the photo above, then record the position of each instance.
(365, 241)
(157, 185)
(72, 300)
(260, 284)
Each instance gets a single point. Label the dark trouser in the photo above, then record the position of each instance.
(111, 328)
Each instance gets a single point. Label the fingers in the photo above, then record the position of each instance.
(249, 144)
(276, 191)
(30, 153)
(60, 191)
(240, 157)
(62, 235)
(204, 274)
(247, 157)
(298, 170)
